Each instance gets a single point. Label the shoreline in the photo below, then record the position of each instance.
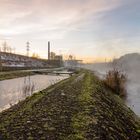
(79, 107)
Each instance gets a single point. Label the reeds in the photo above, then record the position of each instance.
(28, 88)
(116, 80)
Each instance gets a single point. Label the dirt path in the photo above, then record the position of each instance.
(79, 108)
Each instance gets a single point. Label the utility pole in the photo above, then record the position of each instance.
(28, 48)
(48, 50)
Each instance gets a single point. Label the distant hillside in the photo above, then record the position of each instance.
(129, 62)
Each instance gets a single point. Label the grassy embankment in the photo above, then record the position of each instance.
(21, 73)
(79, 108)
(14, 74)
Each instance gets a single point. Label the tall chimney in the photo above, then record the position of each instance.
(48, 50)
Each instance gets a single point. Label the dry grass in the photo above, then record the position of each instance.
(28, 90)
(116, 80)
(85, 111)
(28, 87)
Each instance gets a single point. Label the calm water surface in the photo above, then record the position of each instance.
(13, 90)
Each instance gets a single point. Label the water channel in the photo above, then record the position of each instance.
(14, 90)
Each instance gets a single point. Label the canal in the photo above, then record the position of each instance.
(14, 90)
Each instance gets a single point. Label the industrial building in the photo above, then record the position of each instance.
(52, 55)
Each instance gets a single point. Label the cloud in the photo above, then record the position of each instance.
(20, 17)
(99, 27)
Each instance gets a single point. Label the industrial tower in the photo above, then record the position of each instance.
(49, 50)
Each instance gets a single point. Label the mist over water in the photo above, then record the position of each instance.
(130, 65)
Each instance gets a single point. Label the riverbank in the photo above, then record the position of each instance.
(14, 74)
(78, 108)
(22, 73)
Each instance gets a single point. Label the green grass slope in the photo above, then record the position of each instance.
(14, 74)
(79, 108)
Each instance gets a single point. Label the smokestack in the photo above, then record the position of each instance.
(48, 50)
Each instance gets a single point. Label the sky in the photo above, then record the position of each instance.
(92, 30)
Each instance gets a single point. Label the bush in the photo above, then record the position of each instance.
(116, 80)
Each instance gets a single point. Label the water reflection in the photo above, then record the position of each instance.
(14, 90)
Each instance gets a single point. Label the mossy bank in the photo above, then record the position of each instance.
(14, 74)
(79, 108)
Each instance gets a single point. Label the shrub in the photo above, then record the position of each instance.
(116, 80)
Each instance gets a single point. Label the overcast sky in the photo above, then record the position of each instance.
(89, 29)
